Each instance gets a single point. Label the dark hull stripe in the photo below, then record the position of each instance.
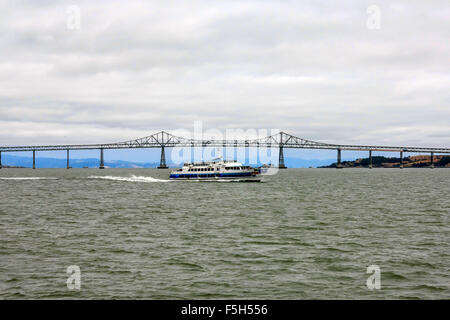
(210, 175)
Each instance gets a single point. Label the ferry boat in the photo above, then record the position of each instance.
(216, 170)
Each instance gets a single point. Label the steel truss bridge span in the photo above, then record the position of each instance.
(280, 140)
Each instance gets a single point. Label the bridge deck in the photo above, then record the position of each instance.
(168, 140)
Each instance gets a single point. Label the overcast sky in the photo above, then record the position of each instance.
(316, 69)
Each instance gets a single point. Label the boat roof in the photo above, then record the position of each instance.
(230, 163)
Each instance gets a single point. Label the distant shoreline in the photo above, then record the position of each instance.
(408, 162)
(439, 161)
(12, 167)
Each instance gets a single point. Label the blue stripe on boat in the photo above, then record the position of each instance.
(210, 175)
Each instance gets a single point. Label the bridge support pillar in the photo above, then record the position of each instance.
(338, 164)
(162, 163)
(102, 161)
(401, 159)
(68, 165)
(34, 159)
(432, 160)
(281, 164)
(370, 159)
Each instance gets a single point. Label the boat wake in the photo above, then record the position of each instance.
(27, 178)
(128, 179)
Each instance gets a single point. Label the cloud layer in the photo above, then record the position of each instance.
(311, 68)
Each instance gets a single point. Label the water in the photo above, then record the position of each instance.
(303, 234)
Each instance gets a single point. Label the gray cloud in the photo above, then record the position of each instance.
(311, 68)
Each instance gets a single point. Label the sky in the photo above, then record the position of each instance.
(347, 72)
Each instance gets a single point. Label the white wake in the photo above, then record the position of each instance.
(27, 178)
(129, 179)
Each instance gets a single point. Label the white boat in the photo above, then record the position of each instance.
(216, 170)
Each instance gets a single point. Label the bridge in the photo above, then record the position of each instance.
(280, 140)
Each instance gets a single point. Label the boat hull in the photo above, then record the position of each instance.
(217, 177)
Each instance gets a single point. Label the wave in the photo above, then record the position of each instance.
(27, 178)
(129, 179)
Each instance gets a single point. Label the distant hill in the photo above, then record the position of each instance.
(408, 162)
(42, 162)
(27, 162)
(11, 166)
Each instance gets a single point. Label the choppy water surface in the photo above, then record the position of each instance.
(303, 234)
